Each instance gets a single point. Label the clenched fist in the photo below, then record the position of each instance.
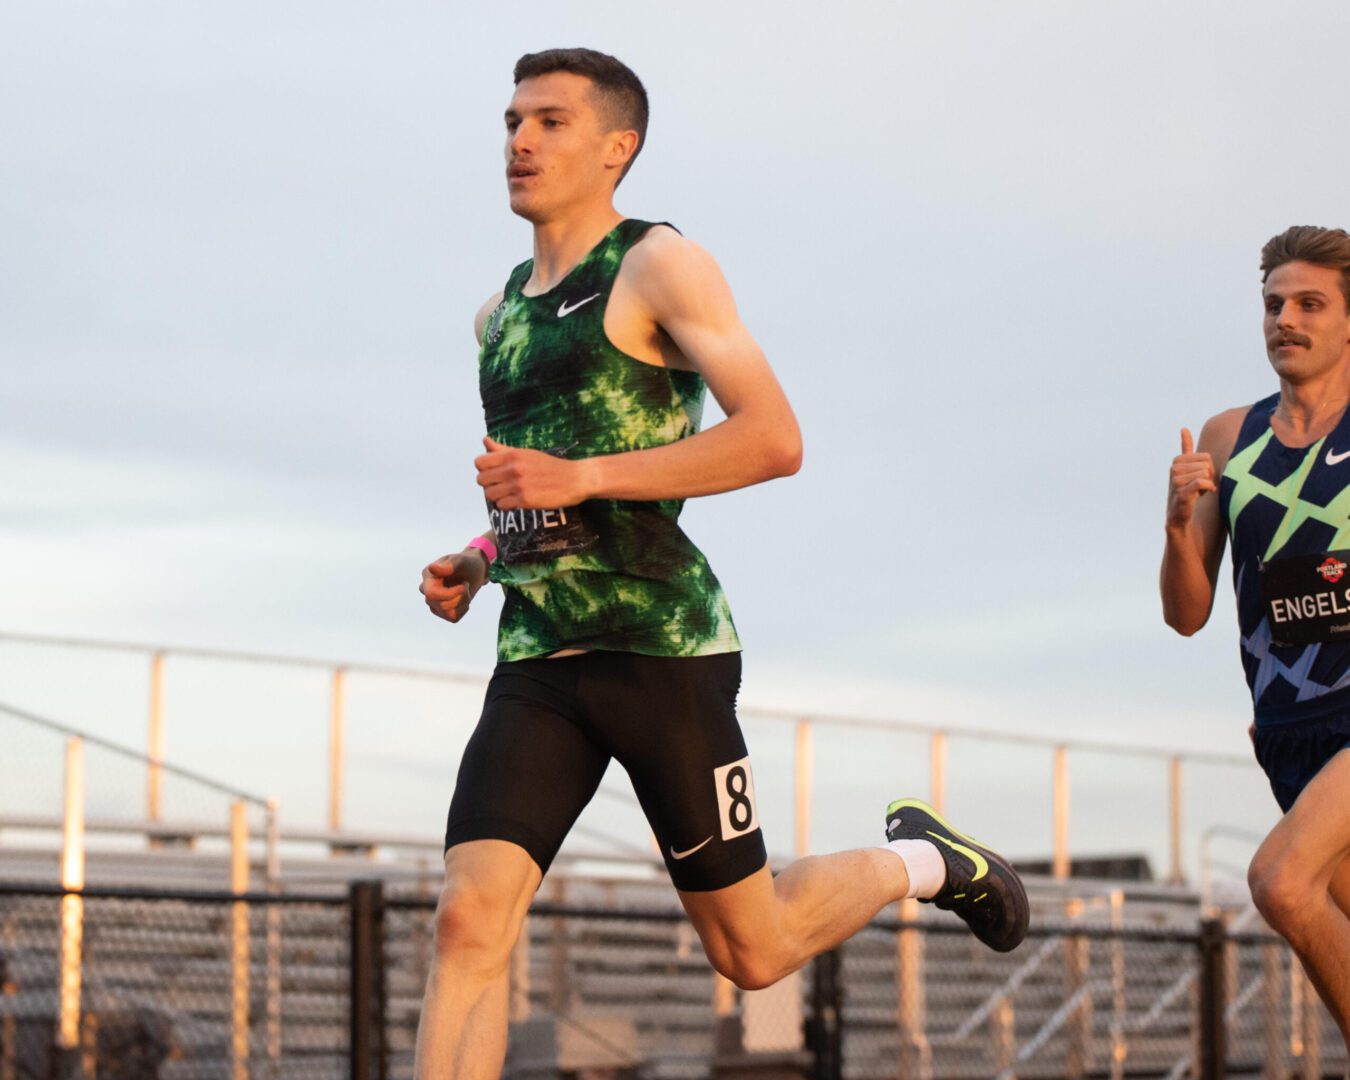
(1192, 476)
(515, 479)
(450, 583)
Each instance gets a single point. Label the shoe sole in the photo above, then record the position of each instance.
(1022, 907)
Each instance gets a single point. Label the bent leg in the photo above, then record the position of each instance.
(462, 1031)
(1292, 877)
(762, 928)
(691, 771)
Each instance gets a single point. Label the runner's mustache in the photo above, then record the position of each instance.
(1276, 340)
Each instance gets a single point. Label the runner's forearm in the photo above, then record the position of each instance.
(740, 451)
(1187, 592)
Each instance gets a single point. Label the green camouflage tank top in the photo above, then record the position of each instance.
(607, 574)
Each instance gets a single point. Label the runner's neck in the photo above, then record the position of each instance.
(560, 245)
(1307, 411)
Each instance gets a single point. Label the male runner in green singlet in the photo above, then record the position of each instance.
(1275, 477)
(616, 639)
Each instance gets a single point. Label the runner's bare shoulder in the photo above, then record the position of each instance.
(1219, 435)
(485, 313)
(667, 272)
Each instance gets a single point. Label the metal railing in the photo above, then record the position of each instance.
(70, 1019)
(805, 728)
(616, 987)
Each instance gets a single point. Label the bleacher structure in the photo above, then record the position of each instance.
(610, 980)
(234, 947)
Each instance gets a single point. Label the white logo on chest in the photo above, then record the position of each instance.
(564, 309)
(1336, 459)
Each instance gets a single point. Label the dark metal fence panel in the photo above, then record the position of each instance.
(367, 983)
(161, 992)
(408, 950)
(332, 987)
(1274, 1024)
(1213, 1057)
(824, 1025)
(923, 1001)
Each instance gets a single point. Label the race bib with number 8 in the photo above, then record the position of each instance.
(736, 799)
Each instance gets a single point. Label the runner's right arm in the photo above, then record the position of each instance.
(450, 583)
(1194, 531)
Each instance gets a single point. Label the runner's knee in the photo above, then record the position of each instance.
(1280, 891)
(748, 967)
(476, 927)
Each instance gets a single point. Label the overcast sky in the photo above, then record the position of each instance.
(997, 253)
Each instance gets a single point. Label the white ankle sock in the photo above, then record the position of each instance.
(924, 865)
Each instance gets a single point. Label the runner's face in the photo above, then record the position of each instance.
(555, 147)
(1307, 326)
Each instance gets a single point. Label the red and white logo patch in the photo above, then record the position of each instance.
(1332, 569)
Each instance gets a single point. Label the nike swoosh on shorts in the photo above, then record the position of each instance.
(685, 854)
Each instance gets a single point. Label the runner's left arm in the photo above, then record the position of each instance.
(682, 288)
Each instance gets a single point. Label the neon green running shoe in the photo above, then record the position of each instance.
(981, 887)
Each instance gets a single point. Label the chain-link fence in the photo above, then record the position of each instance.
(178, 985)
(172, 984)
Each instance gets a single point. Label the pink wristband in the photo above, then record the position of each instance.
(486, 546)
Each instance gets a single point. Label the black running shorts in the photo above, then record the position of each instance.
(549, 728)
(1292, 753)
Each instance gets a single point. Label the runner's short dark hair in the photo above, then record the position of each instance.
(621, 98)
(1308, 243)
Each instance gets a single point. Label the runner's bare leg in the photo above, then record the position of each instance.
(462, 1033)
(763, 928)
(1291, 879)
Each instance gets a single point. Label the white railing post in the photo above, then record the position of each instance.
(336, 737)
(1077, 963)
(1312, 1029)
(1061, 867)
(1003, 1023)
(937, 771)
(154, 777)
(273, 1003)
(1120, 1048)
(804, 761)
(916, 1054)
(239, 942)
(1174, 815)
(72, 906)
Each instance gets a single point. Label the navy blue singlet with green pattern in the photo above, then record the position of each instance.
(1279, 502)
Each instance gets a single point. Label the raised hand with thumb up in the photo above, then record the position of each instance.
(1192, 476)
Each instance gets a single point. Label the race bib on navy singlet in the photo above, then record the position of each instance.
(1307, 598)
(529, 536)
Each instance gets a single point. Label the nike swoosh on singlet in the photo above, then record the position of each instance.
(1336, 459)
(981, 866)
(564, 310)
(685, 854)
